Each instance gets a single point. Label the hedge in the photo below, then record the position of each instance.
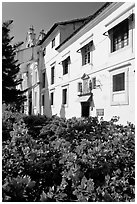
(70, 160)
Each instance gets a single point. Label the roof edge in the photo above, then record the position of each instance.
(89, 18)
(61, 23)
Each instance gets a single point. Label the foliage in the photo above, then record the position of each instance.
(9, 117)
(71, 160)
(34, 124)
(10, 69)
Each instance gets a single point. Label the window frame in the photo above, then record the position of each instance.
(66, 99)
(121, 93)
(86, 54)
(115, 33)
(65, 63)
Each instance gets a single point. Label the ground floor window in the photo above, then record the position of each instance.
(43, 99)
(64, 96)
(52, 98)
(119, 86)
(119, 82)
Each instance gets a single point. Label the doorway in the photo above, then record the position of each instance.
(85, 109)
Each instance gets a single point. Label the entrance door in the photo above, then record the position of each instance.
(85, 109)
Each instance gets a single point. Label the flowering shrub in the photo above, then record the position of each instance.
(71, 160)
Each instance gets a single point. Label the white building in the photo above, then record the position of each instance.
(28, 58)
(91, 71)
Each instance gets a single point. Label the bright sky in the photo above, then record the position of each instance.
(43, 15)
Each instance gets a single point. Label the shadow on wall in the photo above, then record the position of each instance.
(62, 112)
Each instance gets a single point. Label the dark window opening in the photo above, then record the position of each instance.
(52, 75)
(86, 54)
(119, 36)
(53, 42)
(51, 98)
(119, 82)
(43, 80)
(65, 64)
(64, 97)
(43, 100)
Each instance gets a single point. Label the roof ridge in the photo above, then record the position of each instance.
(87, 19)
(72, 20)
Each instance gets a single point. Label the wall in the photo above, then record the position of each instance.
(103, 62)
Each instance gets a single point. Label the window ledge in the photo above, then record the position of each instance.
(87, 65)
(119, 103)
(120, 50)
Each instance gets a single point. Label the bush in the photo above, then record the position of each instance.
(71, 160)
(34, 123)
(9, 117)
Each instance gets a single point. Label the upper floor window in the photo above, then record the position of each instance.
(119, 36)
(65, 64)
(43, 80)
(53, 43)
(86, 54)
(52, 75)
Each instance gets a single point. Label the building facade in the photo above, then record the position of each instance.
(28, 58)
(88, 65)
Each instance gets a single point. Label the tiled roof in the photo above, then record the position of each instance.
(85, 21)
(61, 23)
(89, 18)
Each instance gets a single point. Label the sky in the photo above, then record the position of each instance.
(43, 15)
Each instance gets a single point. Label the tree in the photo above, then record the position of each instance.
(10, 69)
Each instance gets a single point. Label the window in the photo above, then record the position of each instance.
(94, 83)
(64, 96)
(119, 36)
(86, 54)
(80, 87)
(52, 98)
(119, 82)
(53, 43)
(119, 88)
(43, 80)
(43, 99)
(65, 64)
(52, 75)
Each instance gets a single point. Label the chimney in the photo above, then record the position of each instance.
(41, 35)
